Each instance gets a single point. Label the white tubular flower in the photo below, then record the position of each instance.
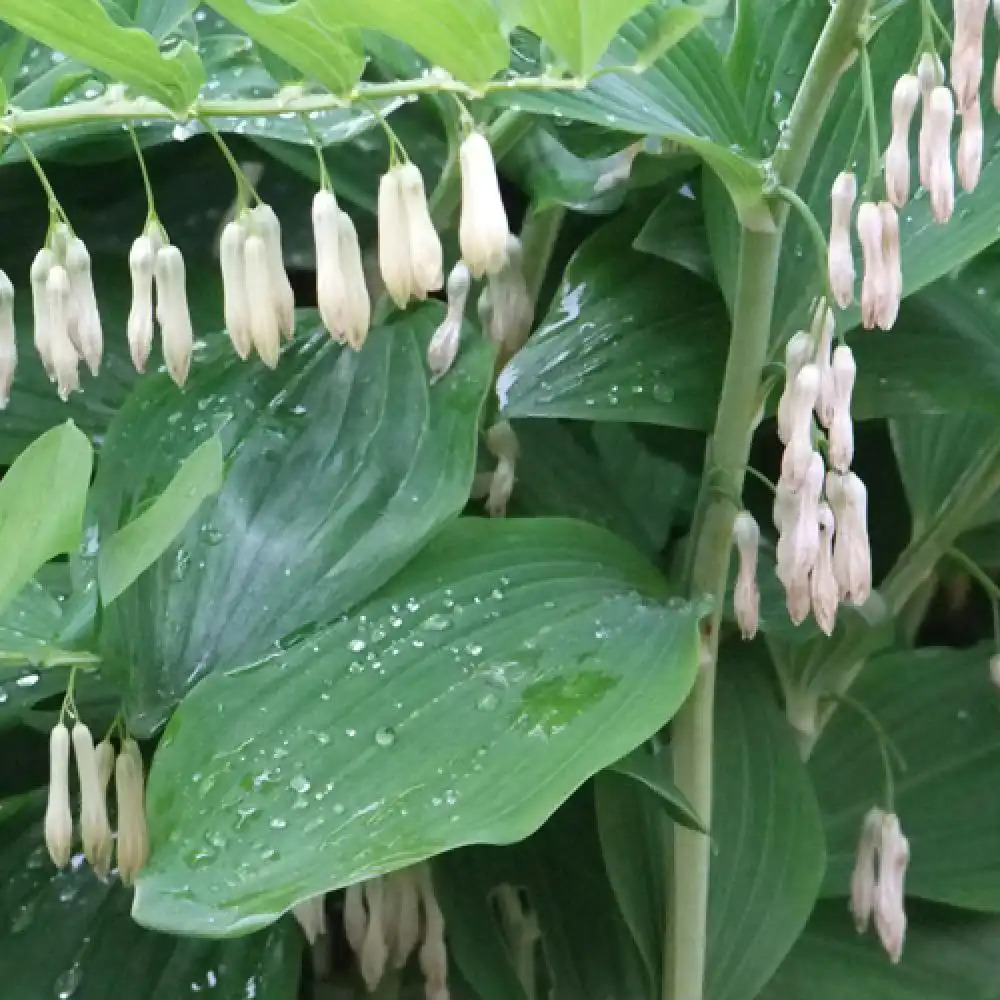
(426, 256)
(798, 545)
(969, 159)
(822, 582)
(374, 953)
(798, 452)
(888, 306)
(786, 503)
(995, 669)
(511, 311)
(86, 317)
(394, 239)
(8, 340)
(330, 293)
(746, 595)
(941, 176)
(930, 73)
(266, 225)
(967, 50)
(65, 360)
(133, 836)
(996, 84)
(840, 256)
(863, 878)
(357, 303)
(890, 915)
(874, 284)
(311, 917)
(798, 351)
(264, 328)
(58, 818)
(502, 443)
(139, 328)
(94, 826)
(851, 551)
(407, 903)
(355, 917)
(173, 313)
(443, 347)
(822, 334)
(483, 229)
(842, 427)
(433, 952)
(105, 754)
(235, 292)
(905, 95)
(40, 267)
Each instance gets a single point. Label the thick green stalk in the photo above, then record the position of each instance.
(729, 447)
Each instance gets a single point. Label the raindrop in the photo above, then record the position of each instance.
(68, 981)
(300, 783)
(356, 645)
(385, 737)
(182, 562)
(488, 702)
(211, 535)
(437, 623)
(27, 680)
(278, 823)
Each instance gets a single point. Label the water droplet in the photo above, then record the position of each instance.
(488, 702)
(278, 823)
(68, 981)
(385, 737)
(211, 535)
(182, 561)
(27, 680)
(356, 645)
(437, 623)
(300, 783)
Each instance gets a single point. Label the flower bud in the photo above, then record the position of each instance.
(863, 878)
(266, 225)
(930, 73)
(897, 156)
(58, 818)
(969, 160)
(40, 268)
(483, 228)
(798, 452)
(840, 257)
(357, 304)
(393, 240)
(433, 952)
(967, 50)
(264, 328)
(841, 427)
(798, 351)
(311, 917)
(330, 293)
(85, 317)
(874, 284)
(821, 331)
(995, 669)
(139, 327)
(786, 504)
(444, 344)
(65, 360)
(355, 917)
(8, 340)
(746, 595)
(996, 84)
(798, 544)
(511, 310)
(402, 909)
(173, 313)
(94, 825)
(822, 582)
(133, 837)
(426, 263)
(941, 176)
(235, 292)
(890, 915)
(374, 952)
(851, 550)
(502, 443)
(105, 754)
(888, 305)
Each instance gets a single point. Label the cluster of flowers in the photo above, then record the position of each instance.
(94, 766)
(385, 919)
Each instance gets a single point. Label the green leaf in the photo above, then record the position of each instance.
(540, 647)
(135, 547)
(685, 97)
(768, 835)
(675, 231)
(30, 629)
(42, 498)
(67, 934)
(653, 771)
(83, 30)
(340, 466)
(949, 955)
(627, 338)
(304, 34)
(940, 795)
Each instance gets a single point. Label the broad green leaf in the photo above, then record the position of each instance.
(304, 34)
(675, 231)
(541, 647)
(949, 955)
(685, 97)
(31, 626)
(42, 498)
(67, 934)
(940, 709)
(652, 770)
(136, 546)
(768, 836)
(340, 465)
(84, 30)
(628, 338)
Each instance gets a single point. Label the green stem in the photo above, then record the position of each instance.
(324, 174)
(150, 202)
(815, 233)
(874, 149)
(729, 448)
(55, 208)
(243, 184)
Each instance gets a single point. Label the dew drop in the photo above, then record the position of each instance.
(488, 702)
(300, 783)
(182, 562)
(68, 981)
(385, 737)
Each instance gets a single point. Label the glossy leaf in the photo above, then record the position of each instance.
(541, 648)
(67, 934)
(57, 468)
(340, 466)
(768, 835)
(84, 30)
(652, 770)
(628, 338)
(31, 627)
(136, 546)
(675, 231)
(943, 796)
